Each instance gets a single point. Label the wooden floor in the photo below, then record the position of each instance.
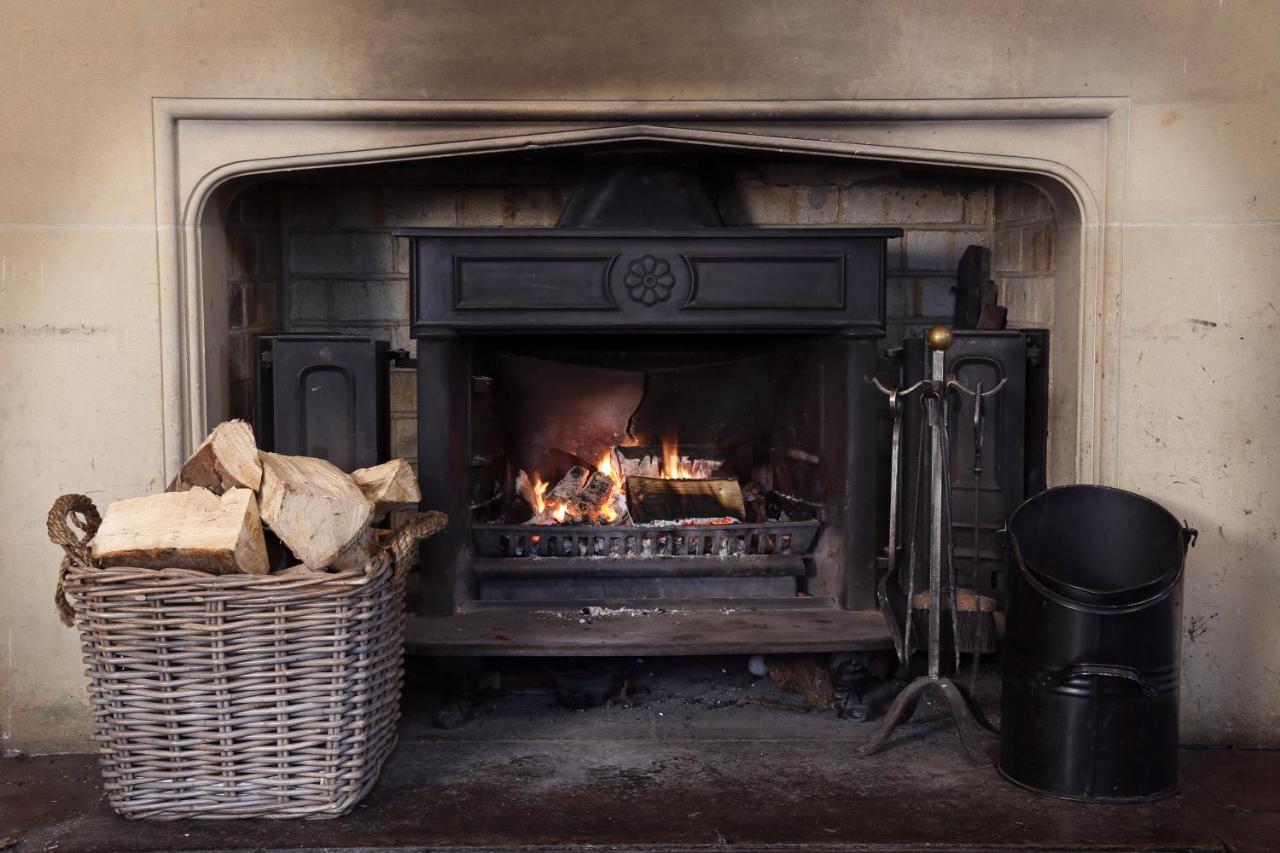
(563, 630)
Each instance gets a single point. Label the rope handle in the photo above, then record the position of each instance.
(69, 514)
(402, 546)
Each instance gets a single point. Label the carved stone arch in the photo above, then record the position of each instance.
(1072, 149)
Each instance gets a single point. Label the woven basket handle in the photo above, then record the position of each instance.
(69, 514)
(419, 527)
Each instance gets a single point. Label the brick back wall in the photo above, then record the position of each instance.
(254, 285)
(940, 214)
(1022, 257)
(344, 272)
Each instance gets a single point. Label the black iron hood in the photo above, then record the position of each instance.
(641, 247)
(640, 193)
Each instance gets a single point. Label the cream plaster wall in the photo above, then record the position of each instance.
(81, 403)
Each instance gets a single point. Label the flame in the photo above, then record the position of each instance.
(672, 467)
(539, 502)
(539, 489)
(608, 513)
(607, 467)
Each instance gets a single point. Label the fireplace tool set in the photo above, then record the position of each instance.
(971, 627)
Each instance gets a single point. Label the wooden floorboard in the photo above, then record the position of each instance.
(603, 632)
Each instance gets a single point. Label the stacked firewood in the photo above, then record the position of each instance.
(212, 515)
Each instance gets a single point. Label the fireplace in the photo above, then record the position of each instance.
(319, 253)
(641, 410)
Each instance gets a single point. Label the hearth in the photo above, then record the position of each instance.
(641, 408)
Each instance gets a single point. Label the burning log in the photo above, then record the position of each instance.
(690, 463)
(593, 496)
(653, 499)
(568, 487)
(581, 495)
(615, 511)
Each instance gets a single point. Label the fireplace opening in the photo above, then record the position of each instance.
(767, 409)
(636, 450)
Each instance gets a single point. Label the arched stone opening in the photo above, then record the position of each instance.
(311, 250)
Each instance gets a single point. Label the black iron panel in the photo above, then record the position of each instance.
(714, 279)
(489, 283)
(324, 396)
(752, 283)
(1009, 448)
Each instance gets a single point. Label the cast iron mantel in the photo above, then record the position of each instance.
(714, 279)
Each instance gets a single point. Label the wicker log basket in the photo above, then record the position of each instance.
(231, 696)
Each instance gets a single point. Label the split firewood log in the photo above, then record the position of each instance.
(297, 571)
(391, 486)
(593, 496)
(226, 459)
(651, 499)
(352, 558)
(315, 509)
(192, 529)
(569, 486)
(358, 552)
(697, 462)
(618, 506)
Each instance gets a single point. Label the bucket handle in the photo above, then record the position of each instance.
(1128, 673)
(1189, 536)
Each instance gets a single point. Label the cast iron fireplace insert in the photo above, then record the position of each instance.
(641, 332)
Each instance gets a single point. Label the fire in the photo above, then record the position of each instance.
(672, 466)
(539, 504)
(552, 504)
(539, 489)
(607, 467)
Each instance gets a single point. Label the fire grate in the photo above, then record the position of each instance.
(689, 540)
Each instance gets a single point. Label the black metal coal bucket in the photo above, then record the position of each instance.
(1091, 660)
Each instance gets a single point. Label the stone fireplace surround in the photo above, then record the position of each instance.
(1072, 149)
